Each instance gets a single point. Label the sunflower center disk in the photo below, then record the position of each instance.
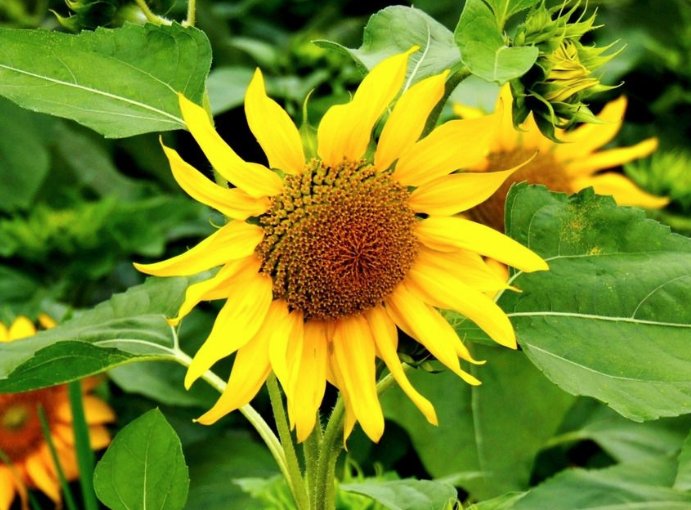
(338, 239)
(20, 427)
(544, 169)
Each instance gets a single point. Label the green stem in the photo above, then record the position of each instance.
(45, 428)
(295, 481)
(329, 450)
(255, 419)
(191, 13)
(85, 455)
(310, 449)
(150, 16)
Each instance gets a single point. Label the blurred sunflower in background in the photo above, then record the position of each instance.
(575, 163)
(25, 458)
(323, 258)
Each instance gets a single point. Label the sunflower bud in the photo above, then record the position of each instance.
(562, 78)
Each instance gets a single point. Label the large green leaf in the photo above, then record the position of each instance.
(396, 29)
(484, 48)
(406, 494)
(471, 443)
(610, 319)
(143, 468)
(24, 155)
(120, 82)
(129, 326)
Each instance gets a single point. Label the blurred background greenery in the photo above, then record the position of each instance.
(77, 209)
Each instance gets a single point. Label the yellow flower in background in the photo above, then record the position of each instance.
(567, 167)
(22, 442)
(322, 259)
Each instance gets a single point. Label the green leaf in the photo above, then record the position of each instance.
(406, 494)
(683, 478)
(484, 49)
(504, 9)
(396, 29)
(610, 319)
(214, 465)
(470, 444)
(621, 487)
(119, 82)
(227, 86)
(24, 155)
(128, 327)
(143, 468)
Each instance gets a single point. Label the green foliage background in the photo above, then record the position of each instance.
(592, 412)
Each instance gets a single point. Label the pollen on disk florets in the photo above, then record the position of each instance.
(542, 169)
(338, 239)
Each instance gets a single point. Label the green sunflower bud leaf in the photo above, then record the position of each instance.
(484, 48)
(144, 467)
(119, 82)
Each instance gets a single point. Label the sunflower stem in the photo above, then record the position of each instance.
(324, 489)
(310, 449)
(85, 455)
(191, 13)
(295, 481)
(150, 16)
(45, 428)
(255, 419)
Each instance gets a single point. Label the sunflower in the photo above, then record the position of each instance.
(570, 166)
(25, 459)
(323, 258)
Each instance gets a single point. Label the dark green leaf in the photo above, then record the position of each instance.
(396, 29)
(484, 49)
(24, 156)
(470, 444)
(143, 468)
(120, 82)
(611, 318)
(406, 494)
(129, 326)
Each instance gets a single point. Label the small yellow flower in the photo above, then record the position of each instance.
(567, 167)
(21, 437)
(320, 267)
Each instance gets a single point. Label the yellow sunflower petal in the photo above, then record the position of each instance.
(46, 321)
(454, 193)
(99, 437)
(624, 191)
(591, 136)
(386, 338)
(407, 120)
(233, 241)
(309, 379)
(250, 369)
(285, 341)
(453, 145)
(353, 351)
(466, 234)
(256, 180)
(467, 112)
(273, 128)
(234, 203)
(453, 294)
(237, 322)
(345, 130)
(611, 158)
(428, 327)
(506, 137)
(22, 327)
(97, 411)
(7, 491)
(42, 477)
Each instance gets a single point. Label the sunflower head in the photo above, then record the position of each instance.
(562, 80)
(324, 259)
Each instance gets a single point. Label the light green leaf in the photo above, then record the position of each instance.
(127, 327)
(504, 9)
(227, 86)
(119, 82)
(24, 155)
(484, 48)
(396, 29)
(611, 318)
(621, 487)
(683, 478)
(143, 468)
(470, 444)
(406, 494)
